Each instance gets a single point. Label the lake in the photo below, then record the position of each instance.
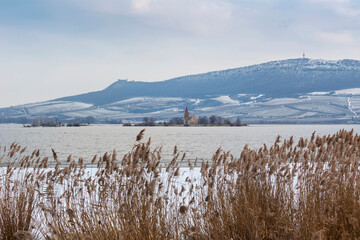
(197, 142)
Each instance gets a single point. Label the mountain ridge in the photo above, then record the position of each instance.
(289, 91)
(276, 78)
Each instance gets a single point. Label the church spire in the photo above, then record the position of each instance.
(186, 116)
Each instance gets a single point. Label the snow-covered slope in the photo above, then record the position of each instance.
(294, 90)
(274, 79)
(307, 108)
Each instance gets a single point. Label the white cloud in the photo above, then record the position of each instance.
(349, 8)
(201, 16)
(335, 38)
(103, 6)
(332, 1)
(141, 5)
(348, 11)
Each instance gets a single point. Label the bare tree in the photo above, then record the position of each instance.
(219, 120)
(149, 121)
(237, 122)
(227, 121)
(212, 119)
(203, 120)
(176, 120)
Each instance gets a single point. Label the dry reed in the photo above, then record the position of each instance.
(304, 190)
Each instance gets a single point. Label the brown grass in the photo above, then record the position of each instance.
(304, 190)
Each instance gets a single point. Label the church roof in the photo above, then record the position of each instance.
(186, 110)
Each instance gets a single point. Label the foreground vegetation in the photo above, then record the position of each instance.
(304, 190)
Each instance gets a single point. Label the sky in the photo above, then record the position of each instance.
(56, 48)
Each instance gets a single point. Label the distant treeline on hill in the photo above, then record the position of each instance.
(213, 120)
(48, 120)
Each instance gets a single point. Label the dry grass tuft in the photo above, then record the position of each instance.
(304, 190)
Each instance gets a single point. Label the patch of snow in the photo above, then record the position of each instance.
(281, 101)
(319, 93)
(355, 103)
(241, 95)
(350, 107)
(350, 91)
(307, 114)
(259, 96)
(248, 103)
(323, 62)
(146, 99)
(56, 106)
(41, 104)
(196, 101)
(226, 100)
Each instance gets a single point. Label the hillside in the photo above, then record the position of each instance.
(293, 90)
(274, 79)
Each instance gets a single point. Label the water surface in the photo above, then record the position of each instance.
(200, 142)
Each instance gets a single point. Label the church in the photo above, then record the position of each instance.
(189, 120)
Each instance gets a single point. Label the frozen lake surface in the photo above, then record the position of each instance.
(197, 142)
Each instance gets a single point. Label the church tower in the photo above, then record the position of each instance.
(186, 116)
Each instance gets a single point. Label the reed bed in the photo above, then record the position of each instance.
(304, 190)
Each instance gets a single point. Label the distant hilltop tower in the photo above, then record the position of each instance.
(303, 54)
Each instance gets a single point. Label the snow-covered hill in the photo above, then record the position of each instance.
(294, 90)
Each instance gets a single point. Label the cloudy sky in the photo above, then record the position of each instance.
(55, 48)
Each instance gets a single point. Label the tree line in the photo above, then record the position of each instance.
(213, 120)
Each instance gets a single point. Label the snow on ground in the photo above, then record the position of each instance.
(258, 96)
(130, 100)
(196, 101)
(313, 105)
(278, 101)
(351, 107)
(307, 114)
(249, 103)
(319, 93)
(275, 112)
(355, 103)
(56, 106)
(40, 104)
(145, 99)
(98, 113)
(226, 100)
(322, 63)
(350, 91)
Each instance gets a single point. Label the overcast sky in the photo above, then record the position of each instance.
(56, 48)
